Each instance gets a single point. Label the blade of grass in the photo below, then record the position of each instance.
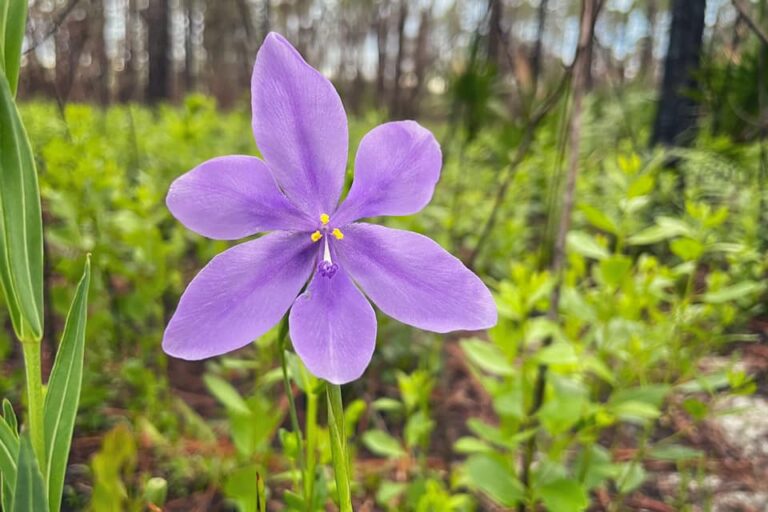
(15, 24)
(29, 491)
(21, 231)
(63, 394)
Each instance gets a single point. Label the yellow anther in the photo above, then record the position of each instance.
(325, 218)
(337, 233)
(316, 236)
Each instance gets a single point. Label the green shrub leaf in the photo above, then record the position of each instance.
(63, 394)
(487, 356)
(564, 495)
(494, 479)
(382, 444)
(586, 245)
(226, 394)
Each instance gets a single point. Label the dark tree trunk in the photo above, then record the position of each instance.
(157, 47)
(495, 35)
(221, 63)
(677, 111)
(247, 45)
(421, 61)
(100, 52)
(646, 57)
(70, 42)
(266, 13)
(397, 86)
(382, 35)
(127, 79)
(541, 20)
(190, 82)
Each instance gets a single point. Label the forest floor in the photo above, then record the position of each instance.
(734, 439)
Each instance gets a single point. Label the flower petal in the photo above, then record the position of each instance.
(300, 126)
(411, 278)
(396, 168)
(239, 295)
(232, 197)
(333, 328)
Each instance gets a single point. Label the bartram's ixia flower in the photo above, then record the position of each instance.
(301, 129)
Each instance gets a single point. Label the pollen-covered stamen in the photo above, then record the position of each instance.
(325, 229)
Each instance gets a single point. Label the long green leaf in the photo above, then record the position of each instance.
(63, 394)
(4, 5)
(9, 449)
(10, 416)
(15, 23)
(21, 231)
(29, 491)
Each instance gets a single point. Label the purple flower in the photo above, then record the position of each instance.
(301, 129)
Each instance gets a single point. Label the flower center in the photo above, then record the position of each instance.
(325, 229)
(326, 268)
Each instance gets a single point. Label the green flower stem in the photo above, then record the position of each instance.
(339, 447)
(33, 369)
(311, 430)
(281, 337)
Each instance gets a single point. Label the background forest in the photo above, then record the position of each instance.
(604, 173)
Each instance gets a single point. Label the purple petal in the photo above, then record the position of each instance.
(232, 197)
(300, 126)
(396, 168)
(241, 294)
(333, 328)
(414, 280)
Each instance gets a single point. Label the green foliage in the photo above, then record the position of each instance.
(111, 465)
(632, 326)
(9, 449)
(21, 232)
(29, 490)
(494, 478)
(655, 280)
(13, 20)
(32, 470)
(64, 384)
(731, 92)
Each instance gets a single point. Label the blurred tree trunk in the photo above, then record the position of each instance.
(100, 52)
(495, 35)
(127, 79)
(396, 101)
(590, 48)
(218, 39)
(158, 50)
(190, 77)
(70, 41)
(646, 57)
(675, 122)
(541, 20)
(381, 25)
(266, 12)
(421, 61)
(248, 45)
